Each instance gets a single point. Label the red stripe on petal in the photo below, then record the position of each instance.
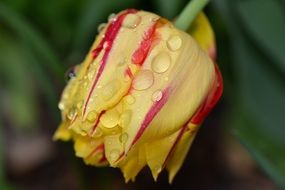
(110, 35)
(179, 136)
(211, 100)
(99, 148)
(97, 122)
(129, 73)
(156, 107)
(143, 50)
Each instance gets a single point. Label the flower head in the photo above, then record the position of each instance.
(140, 94)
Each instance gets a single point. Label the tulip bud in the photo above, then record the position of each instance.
(139, 96)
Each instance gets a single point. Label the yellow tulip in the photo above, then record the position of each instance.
(141, 93)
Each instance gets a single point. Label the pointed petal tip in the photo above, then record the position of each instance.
(62, 133)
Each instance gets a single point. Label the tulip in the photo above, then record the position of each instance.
(141, 94)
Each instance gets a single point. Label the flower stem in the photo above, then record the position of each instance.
(189, 13)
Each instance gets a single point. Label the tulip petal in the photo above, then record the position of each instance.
(203, 33)
(194, 71)
(91, 150)
(158, 151)
(133, 163)
(180, 151)
(62, 133)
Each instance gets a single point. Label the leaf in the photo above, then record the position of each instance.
(267, 152)
(258, 111)
(3, 183)
(17, 85)
(264, 22)
(32, 38)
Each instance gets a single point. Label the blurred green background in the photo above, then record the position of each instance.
(240, 146)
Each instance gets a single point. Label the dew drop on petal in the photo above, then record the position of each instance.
(97, 133)
(131, 21)
(101, 27)
(161, 62)
(110, 90)
(121, 61)
(61, 105)
(125, 118)
(157, 168)
(114, 154)
(110, 119)
(174, 43)
(111, 17)
(123, 137)
(130, 99)
(79, 105)
(107, 45)
(156, 96)
(143, 80)
(72, 113)
(91, 116)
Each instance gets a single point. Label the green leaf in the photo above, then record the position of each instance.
(258, 111)
(3, 183)
(263, 148)
(264, 22)
(262, 97)
(32, 38)
(17, 84)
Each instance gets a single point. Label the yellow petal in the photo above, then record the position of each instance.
(91, 150)
(203, 33)
(62, 133)
(180, 152)
(113, 148)
(157, 153)
(133, 163)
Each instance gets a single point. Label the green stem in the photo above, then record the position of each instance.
(189, 13)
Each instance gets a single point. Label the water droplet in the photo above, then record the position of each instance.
(70, 73)
(97, 133)
(110, 89)
(90, 75)
(61, 105)
(174, 43)
(107, 45)
(131, 21)
(111, 17)
(72, 113)
(122, 61)
(101, 27)
(156, 96)
(161, 62)
(125, 118)
(99, 86)
(157, 169)
(110, 119)
(130, 99)
(114, 154)
(93, 143)
(79, 105)
(143, 80)
(124, 137)
(91, 116)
